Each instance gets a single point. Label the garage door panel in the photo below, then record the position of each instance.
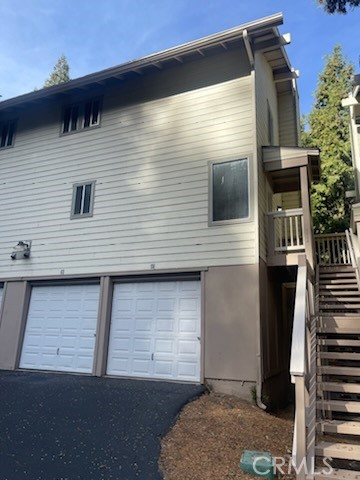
(61, 327)
(157, 315)
(164, 368)
(140, 367)
(143, 325)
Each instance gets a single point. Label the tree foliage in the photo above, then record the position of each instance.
(60, 73)
(338, 6)
(328, 124)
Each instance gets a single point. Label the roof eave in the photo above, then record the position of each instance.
(205, 42)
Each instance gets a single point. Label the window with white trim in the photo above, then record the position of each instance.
(83, 200)
(7, 133)
(81, 116)
(229, 190)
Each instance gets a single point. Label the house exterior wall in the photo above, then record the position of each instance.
(288, 119)
(230, 313)
(150, 162)
(265, 95)
(355, 145)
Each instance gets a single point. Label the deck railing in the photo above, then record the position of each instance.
(286, 231)
(332, 249)
(303, 371)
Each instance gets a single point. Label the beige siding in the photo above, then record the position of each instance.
(290, 200)
(288, 135)
(150, 163)
(265, 92)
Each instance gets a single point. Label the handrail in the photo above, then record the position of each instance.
(332, 249)
(297, 361)
(290, 212)
(354, 252)
(303, 370)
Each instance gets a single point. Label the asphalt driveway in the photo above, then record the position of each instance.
(67, 427)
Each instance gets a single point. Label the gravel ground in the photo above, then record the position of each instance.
(212, 432)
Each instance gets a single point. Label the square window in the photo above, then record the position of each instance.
(230, 190)
(83, 200)
(7, 133)
(81, 116)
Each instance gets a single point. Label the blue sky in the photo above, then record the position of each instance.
(99, 34)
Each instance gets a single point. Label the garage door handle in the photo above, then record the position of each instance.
(57, 351)
(152, 356)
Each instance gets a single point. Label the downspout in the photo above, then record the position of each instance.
(251, 58)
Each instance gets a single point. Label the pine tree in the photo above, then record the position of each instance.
(329, 130)
(60, 72)
(338, 6)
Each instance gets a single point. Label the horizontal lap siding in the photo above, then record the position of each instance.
(265, 90)
(150, 163)
(287, 120)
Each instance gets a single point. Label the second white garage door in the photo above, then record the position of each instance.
(61, 328)
(155, 330)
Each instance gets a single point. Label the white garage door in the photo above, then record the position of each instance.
(61, 328)
(155, 330)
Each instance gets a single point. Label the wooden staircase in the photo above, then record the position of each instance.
(338, 372)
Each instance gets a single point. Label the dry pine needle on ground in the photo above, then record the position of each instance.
(212, 432)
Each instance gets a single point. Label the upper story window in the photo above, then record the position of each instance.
(7, 133)
(81, 116)
(83, 200)
(229, 191)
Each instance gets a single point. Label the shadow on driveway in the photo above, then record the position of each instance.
(66, 427)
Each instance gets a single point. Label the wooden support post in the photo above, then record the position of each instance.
(308, 225)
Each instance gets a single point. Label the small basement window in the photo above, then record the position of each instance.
(83, 200)
(81, 116)
(229, 190)
(7, 133)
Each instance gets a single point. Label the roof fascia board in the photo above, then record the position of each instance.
(156, 58)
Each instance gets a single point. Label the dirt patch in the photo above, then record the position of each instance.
(211, 434)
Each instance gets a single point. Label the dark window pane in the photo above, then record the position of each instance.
(230, 190)
(10, 134)
(78, 198)
(4, 130)
(74, 117)
(67, 115)
(95, 112)
(87, 198)
(87, 114)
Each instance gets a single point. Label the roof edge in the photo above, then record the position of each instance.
(204, 42)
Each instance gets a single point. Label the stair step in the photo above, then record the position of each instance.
(340, 427)
(341, 267)
(337, 474)
(337, 281)
(348, 371)
(339, 406)
(339, 387)
(339, 306)
(338, 324)
(341, 299)
(325, 275)
(348, 286)
(337, 342)
(347, 451)
(339, 355)
(337, 293)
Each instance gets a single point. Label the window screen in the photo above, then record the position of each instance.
(230, 190)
